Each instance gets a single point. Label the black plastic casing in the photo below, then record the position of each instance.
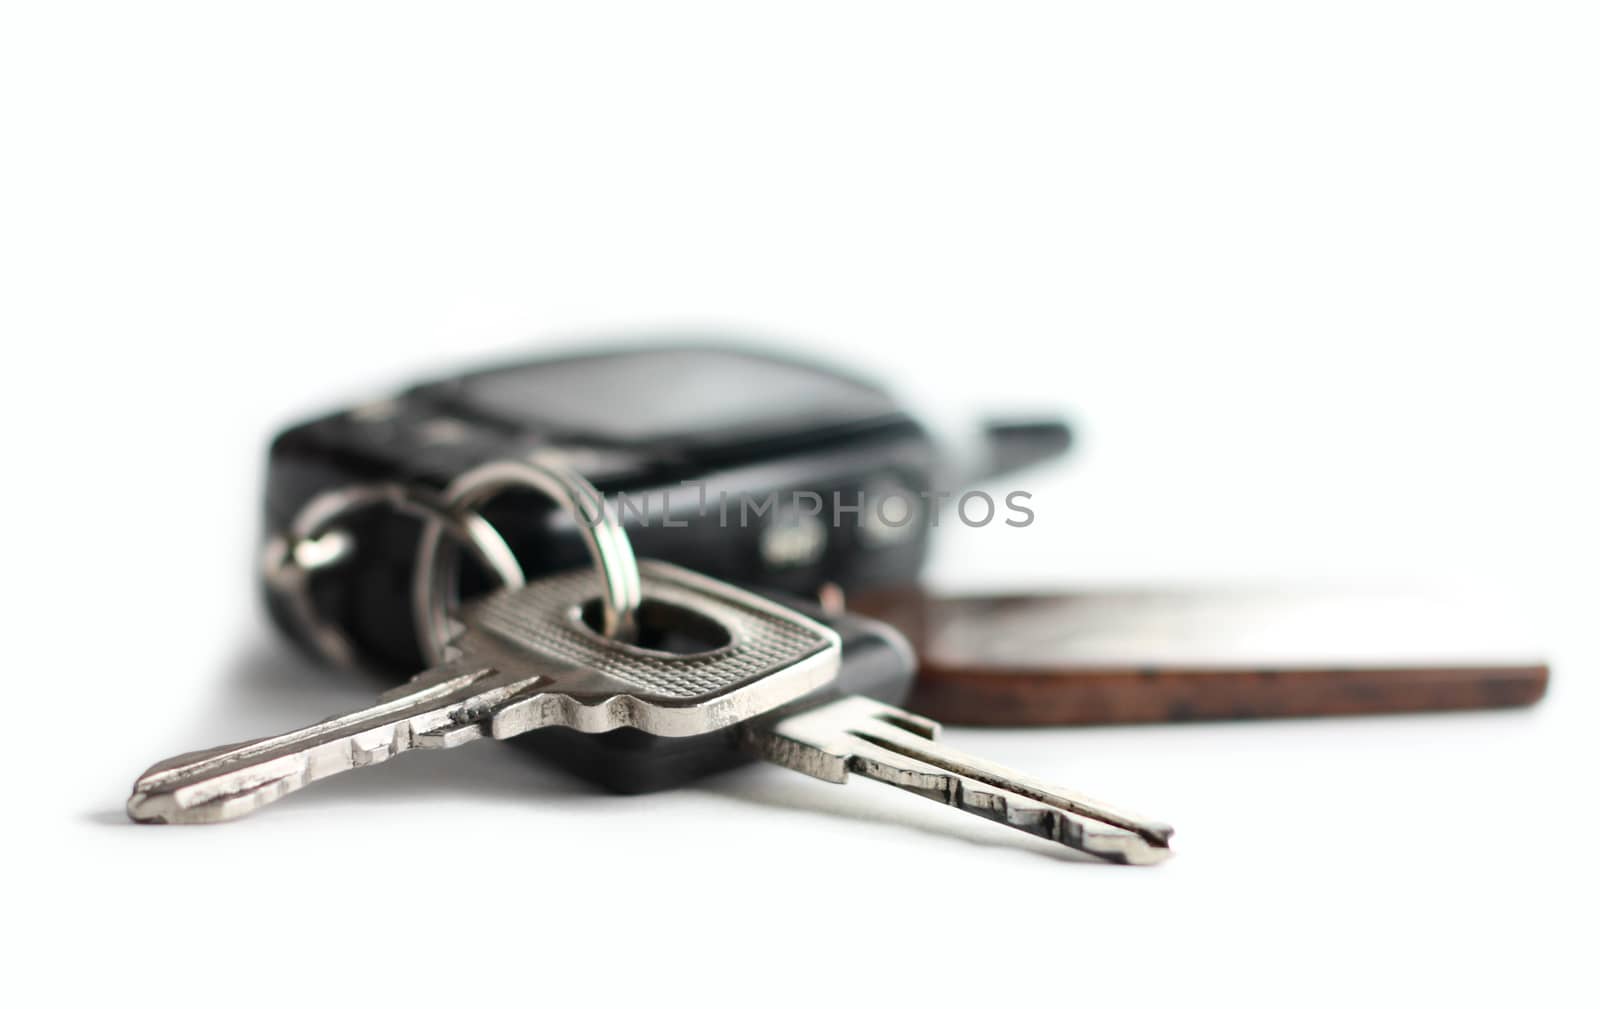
(692, 426)
(728, 437)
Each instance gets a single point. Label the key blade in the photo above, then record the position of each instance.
(440, 708)
(1064, 817)
(862, 736)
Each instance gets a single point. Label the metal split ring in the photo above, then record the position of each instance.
(434, 586)
(313, 543)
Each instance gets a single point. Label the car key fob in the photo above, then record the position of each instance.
(708, 449)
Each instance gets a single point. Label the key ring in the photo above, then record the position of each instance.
(312, 543)
(434, 584)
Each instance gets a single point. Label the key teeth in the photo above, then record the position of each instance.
(1116, 844)
(926, 728)
(800, 755)
(862, 736)
(168, 807)
(1113, 844)
(447, 736)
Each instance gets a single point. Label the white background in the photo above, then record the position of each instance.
(1318, 281)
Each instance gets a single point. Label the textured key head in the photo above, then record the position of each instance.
(750, 655)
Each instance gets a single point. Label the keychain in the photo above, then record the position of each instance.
(651, 673)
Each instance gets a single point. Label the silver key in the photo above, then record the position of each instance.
(526, 660)
(863, 736)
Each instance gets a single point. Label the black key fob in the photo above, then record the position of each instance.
(745, 466)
